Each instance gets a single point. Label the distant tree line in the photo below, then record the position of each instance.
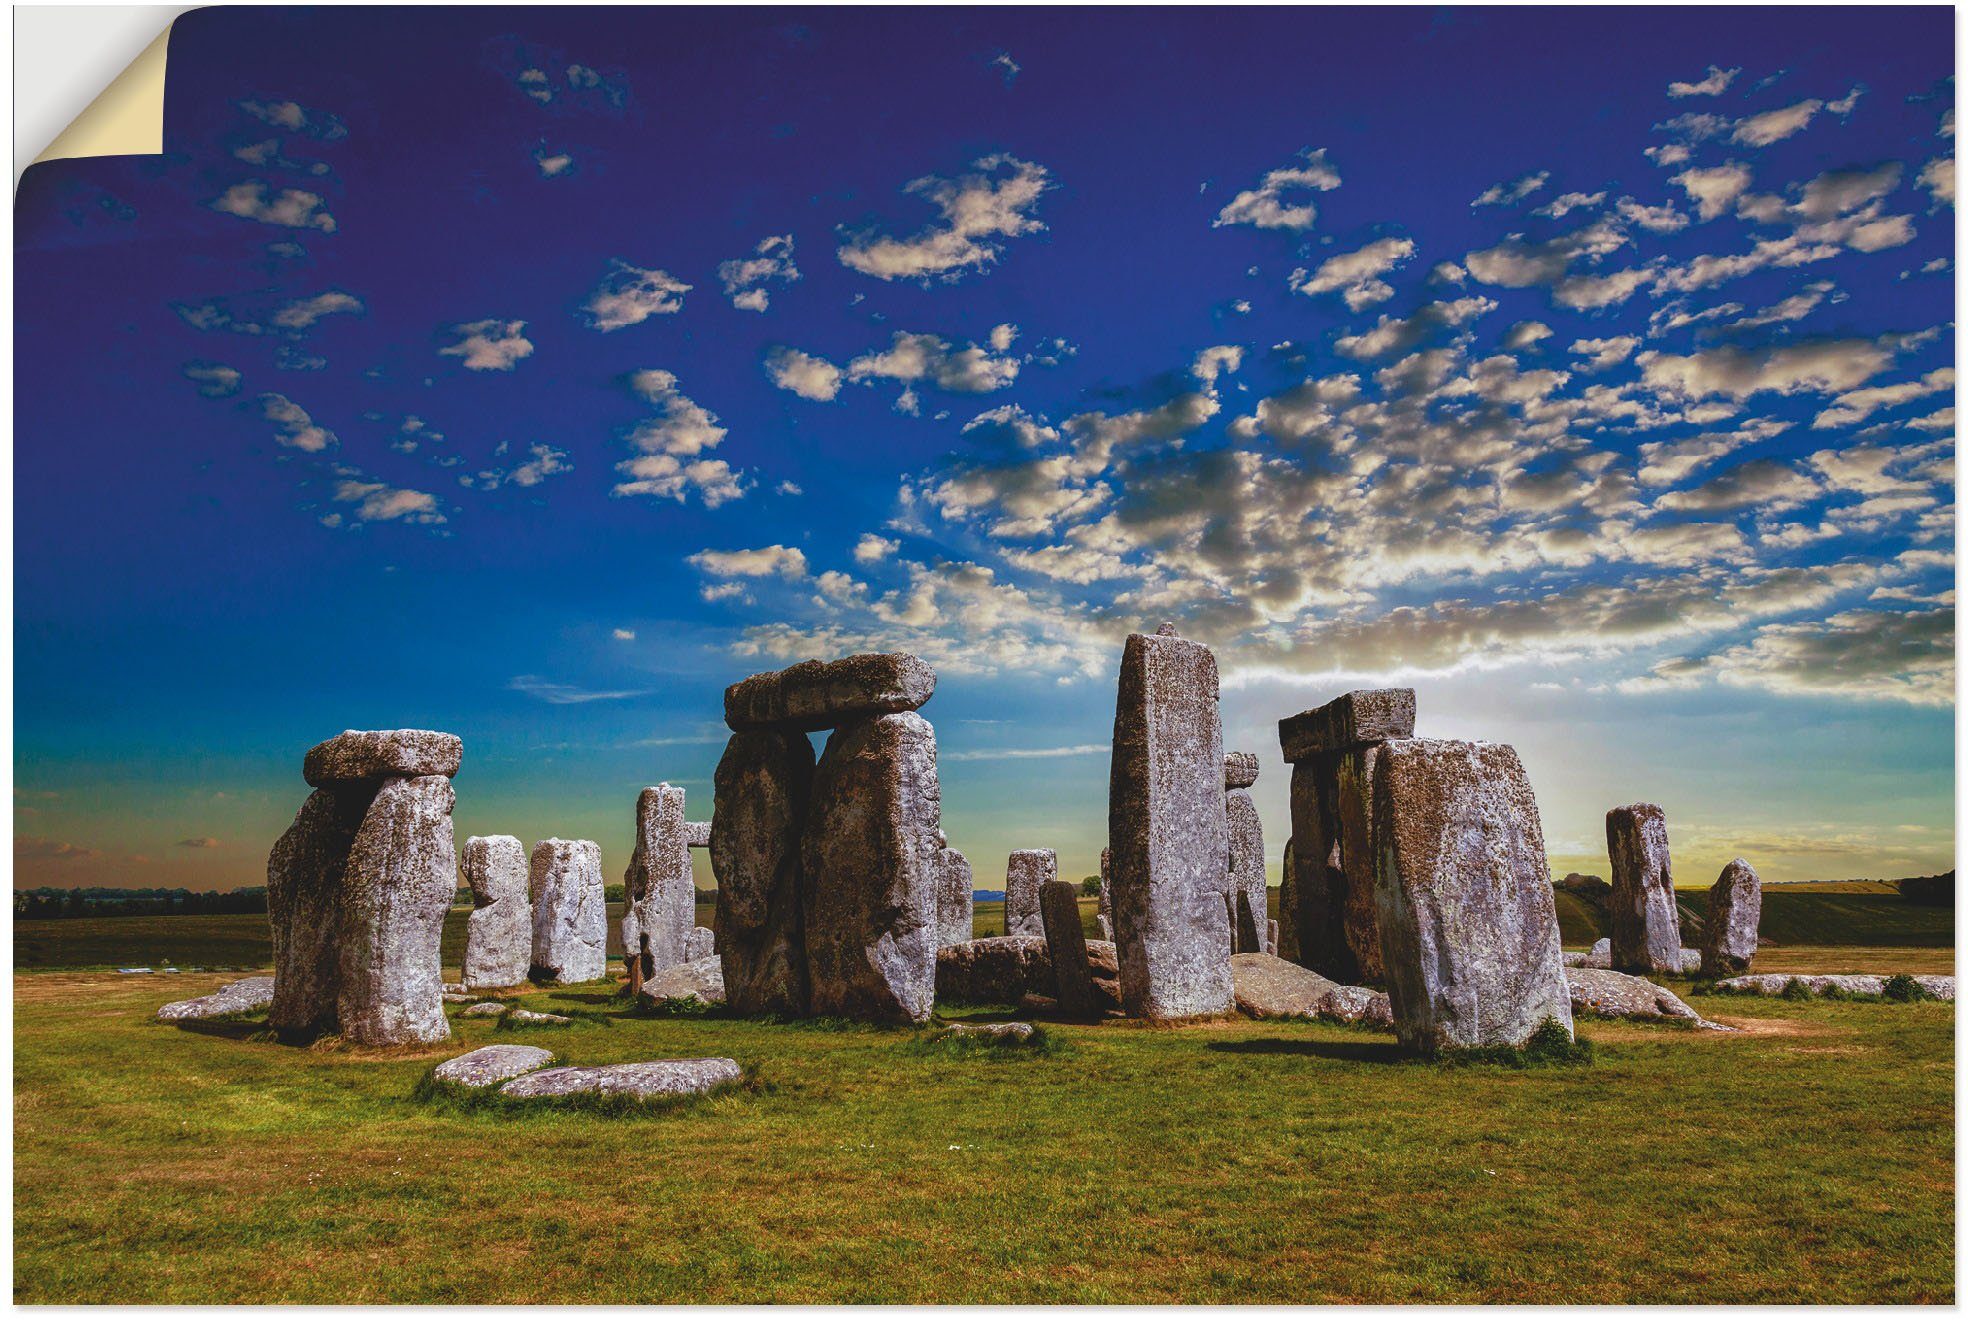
(42, 904)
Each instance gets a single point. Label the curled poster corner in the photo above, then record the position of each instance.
(127, 118)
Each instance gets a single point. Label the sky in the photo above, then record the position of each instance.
(533, 374)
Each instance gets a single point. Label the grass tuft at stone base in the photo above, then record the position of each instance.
(1550, 1046)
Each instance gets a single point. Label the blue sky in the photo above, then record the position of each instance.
(532, 374)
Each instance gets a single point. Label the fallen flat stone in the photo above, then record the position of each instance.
(999, 970)
(401, 876)
(1358, 1003)
(133, 971)
(1354, 720)
(304, 885)
(527, 1015)
(1025, 872)
(454, 987)
(701, 979)
(247, 996)
(486, 1008)
(1168, 830)
(1775, 983)
(660, 900)
(697, 833)
(491, 1064)
(990, 1030)
(1066, 948)
(659, 1077)
(762, 786)
(813, 695)
(451, 998)
(1612, 994)
(570, 911)
(499, 932)
(956, 899)
(1646, 931)
(1735, 910)
(1468, 925)
(1269, 987)
(1239, 769)
(355, 756)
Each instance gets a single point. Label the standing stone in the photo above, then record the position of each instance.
(402, 875)
(1735, 910)
(1313, 913)
(660, 907)
(1284, 931)
(1353, 800)
(1271, 937)
(1468, 926)
(955, 898)
(1104, 915)
(1646, 924)
(570, 912)
(304, 883)
(1028, 869)
(763, 784)
(870, 856)
(1246, 834)
(499, 932)
(1059, 905)
(1166, 825)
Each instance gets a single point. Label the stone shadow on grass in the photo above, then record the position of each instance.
(228, 1028)
(1350, 1051)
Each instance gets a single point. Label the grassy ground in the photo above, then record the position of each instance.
(1810, 1159)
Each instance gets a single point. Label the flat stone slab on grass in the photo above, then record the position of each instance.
(658, 1077)
(486, 1008)
(492, 1064)
(1774, 983)
(353, 756)
(701, 979)
(1599, 992)
(537, 1019)
(247, 996)
(991, 1030)
(1270, 987)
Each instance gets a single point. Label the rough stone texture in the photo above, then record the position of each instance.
(455, 997)
(1358, 1003)
(1104, 911)
(304, 884)
(247, 996)
(1353, 799)
(991, 1030)
(811, 695)
(491, 1064)
(1596, 991)
(697, 833)
(1246, 835)
(701, 978)
(1167, 828)
(1239, 769)
(1271, 936)
(570, 911)
(701, 944)
(354, 757)
(660, 907)
(1354, 720)
(1284, 941)
(1774, 983)
(955, 898)
(1000, 970)
(657, 1078)
(489, 1008)
(1468, 926)
(1066, 948)
(1646, 927)
(499, 932)
(1025, 872)
(1735, 909)
(402, 875)
(870, 856)
(1270, 987)
(528, 1016)
(1312, 905)
(1600, 954)
(762, 787)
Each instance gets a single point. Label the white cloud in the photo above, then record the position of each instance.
(623, 634)
(377, 502)
(1775, 125)
(745, 279)
(629, 295)
(1508, 194)
(1714, 190)
(910, 358)
(780, 561)
(553, 165)
(1851, 408)
(1654, 219)
(1714, 84)
(1280, 200)
(293, 428)
(292, 208)
(1391, 334)
(975, 210)
(567, 694)
(1210, 363)
(1524, 334)
(872, 549)
(808, 376)
(297, 118)
(1820, 366)
(215, 380)
(1884, 655)
(304, 312)
(1565, 203)
(1356, 275)
(1937, 177)
(489, 345)
(544, 461)
(669, 462)
(1604, 353)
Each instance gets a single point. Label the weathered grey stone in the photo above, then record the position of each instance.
(1354, 720)
(1775, 983)
(459, 997)
(701, 944)
(402, 875)
(1468, 926)
(999, 970)
(955, 898)
(1066, 948)
(1284, 940)
(528, 1017)
(659, 1077)
(811, 695)
(1271, 936)
(1313, 906)
(1358, 1003)
(701, 979)
(697, 833)
(1239, 769)
(1025, 872)
(1353, 799)
(660, 900)
(1600, 955)
(1104, 914)
(304, 885)
(1646, 925)
(570, 911)
(1611, 994)
(1246, 835)
(1735, 910)
(499, 932)
(453, 987)
(1166, 825)
(247, 996)
(491, 1064)
(763, 784)
(870, 856)
(355, 757)
(487, 1008)
(1270, 987)
(1020, 1031)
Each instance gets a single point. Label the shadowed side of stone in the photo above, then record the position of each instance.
(1735, 910)
(1354, 720)
(763, 785)
(1066, 946)
(1646, 931)
(304, 885)
(813, 695)
(1246, 834)
(956, 898)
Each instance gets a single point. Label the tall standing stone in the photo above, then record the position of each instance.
(1025, 872)
(1167, 828)
(1104, 913)
(1059, 906)
(570, 912)
(402, 875)
(1646, 923)
(763, 785)
(1735, 910)
(870, 856)
(1286, 940)
(955, 898)
(304, 884)
(1246, 834)
(499, 932)
(660, 901)
(1468, 925)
